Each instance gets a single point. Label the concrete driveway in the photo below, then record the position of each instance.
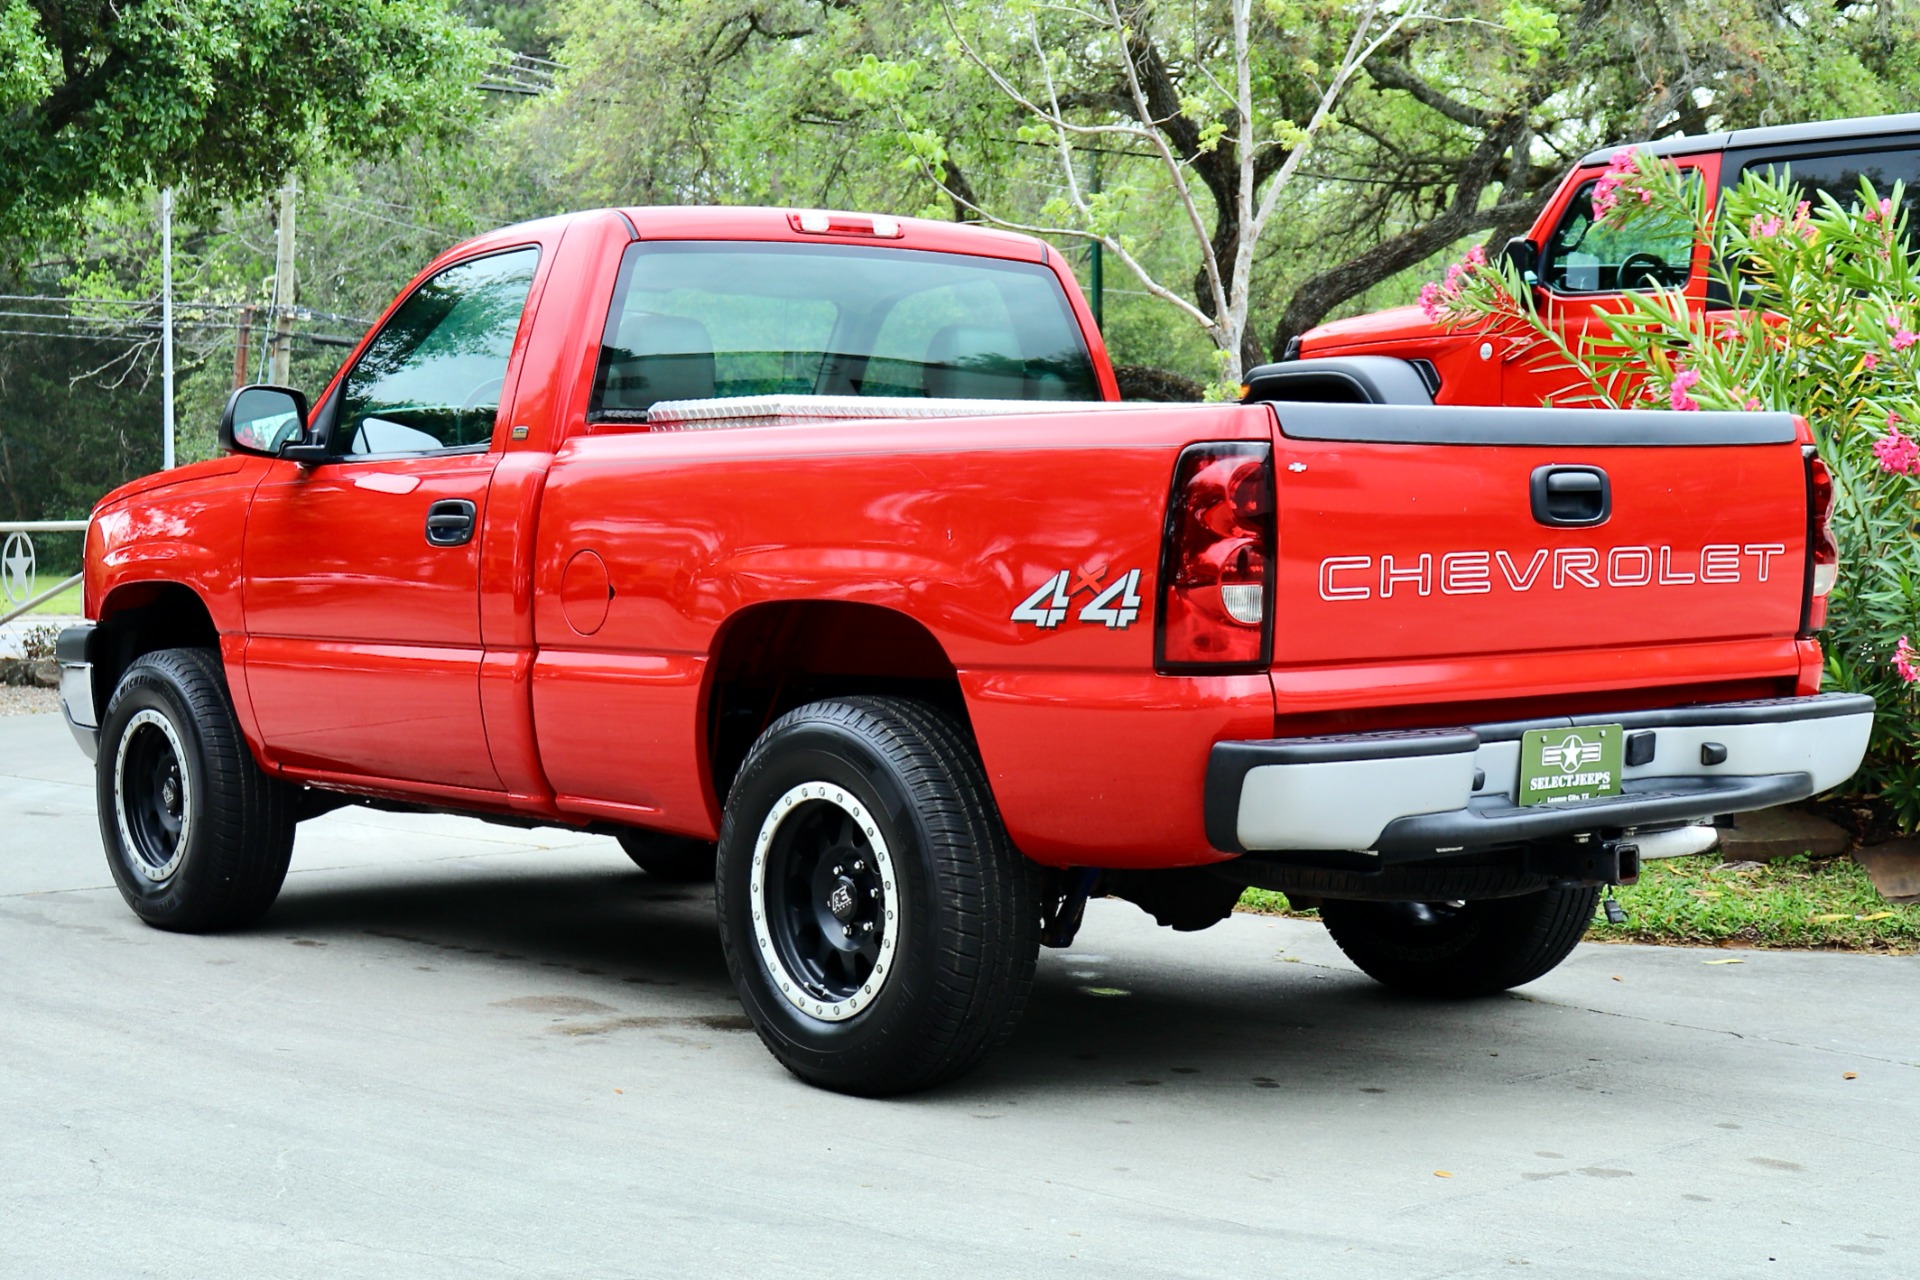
(459, 1050)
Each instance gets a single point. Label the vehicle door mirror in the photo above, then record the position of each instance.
(1521, 256)
(264, 420)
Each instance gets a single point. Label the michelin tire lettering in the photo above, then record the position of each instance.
(1476, 572)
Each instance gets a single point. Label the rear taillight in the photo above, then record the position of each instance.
(1823, 553)
(1217, 561)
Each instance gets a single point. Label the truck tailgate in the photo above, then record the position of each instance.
(1456, 532)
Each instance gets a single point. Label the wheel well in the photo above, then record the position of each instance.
(139, 618)
(772, 658)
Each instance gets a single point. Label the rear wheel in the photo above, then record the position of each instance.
(878, 924)
(678, 858)
(197, 837)
(1456, 949)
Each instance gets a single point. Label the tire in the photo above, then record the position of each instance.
(1456, 950)
(677, 858)
(197, 837)
(877, 922)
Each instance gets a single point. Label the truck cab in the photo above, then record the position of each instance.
(1579, 266)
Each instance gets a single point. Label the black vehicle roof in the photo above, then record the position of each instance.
(1769, 136)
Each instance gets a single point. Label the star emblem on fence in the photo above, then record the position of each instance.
(16, 568)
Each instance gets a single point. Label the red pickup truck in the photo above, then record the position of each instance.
(821, 537)
(1579, 265)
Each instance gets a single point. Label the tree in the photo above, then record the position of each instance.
(1463, 128)
(226, 96)
(1225, 100)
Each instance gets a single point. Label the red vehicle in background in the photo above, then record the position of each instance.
(810, 552)
(1579, 266)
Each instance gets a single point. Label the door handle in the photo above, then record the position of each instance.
(450, 523)
(1571, 497)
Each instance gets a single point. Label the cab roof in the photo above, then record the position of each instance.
(1770, 136)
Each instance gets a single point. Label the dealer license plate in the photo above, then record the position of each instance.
(1558, 765)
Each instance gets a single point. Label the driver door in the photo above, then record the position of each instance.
(1586, 264)
(362, 572)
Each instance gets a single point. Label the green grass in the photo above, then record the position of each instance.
(1794, 903)
(67, 602)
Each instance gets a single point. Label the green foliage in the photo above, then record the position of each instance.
(1827, 328)
(222, 96)
(1792, 903)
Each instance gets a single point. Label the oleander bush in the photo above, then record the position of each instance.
(1825, 323)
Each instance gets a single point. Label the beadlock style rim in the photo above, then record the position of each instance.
(153, 795)
(823, 901)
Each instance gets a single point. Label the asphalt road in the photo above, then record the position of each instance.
(459, 1050)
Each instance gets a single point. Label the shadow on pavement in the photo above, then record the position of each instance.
(1172, 1016)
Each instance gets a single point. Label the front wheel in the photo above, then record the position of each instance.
(878, 924)
(197, 837)
(1458, 949)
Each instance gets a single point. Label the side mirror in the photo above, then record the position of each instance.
(1522, 257)
(264, 420)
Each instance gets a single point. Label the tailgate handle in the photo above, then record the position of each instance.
(1571, 497)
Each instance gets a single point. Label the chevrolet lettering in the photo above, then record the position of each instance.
(1459, 573)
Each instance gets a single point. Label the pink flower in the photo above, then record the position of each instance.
(1870, 361)
(1646, 197)
(1904, 338)
(1764, 229)
(1903, 662)
(1621, 159)
(1751, 405)
(1477, 256)
(1897, 453)
(1678, 397)
(1430, 301)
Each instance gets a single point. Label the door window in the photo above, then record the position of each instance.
(1588, 255)
(432, 378)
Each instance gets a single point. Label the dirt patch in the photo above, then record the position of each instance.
(565, 1006)
(18, 701)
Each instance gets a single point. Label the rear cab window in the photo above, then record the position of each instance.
(694, 320)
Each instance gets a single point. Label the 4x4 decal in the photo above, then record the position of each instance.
(1115, 605)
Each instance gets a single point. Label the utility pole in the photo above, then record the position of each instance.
(1097, 275)
(280, 353)
(166, 327)
(241, 339)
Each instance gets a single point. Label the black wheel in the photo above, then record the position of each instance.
(197, 837)
(1455, 949)
(878, 924)
(678, 858)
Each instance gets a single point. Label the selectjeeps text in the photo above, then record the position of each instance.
(820, 536)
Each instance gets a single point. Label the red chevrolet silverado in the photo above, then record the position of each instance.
(1579, 265)
(822, 538)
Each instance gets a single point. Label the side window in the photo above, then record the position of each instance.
(1584, 255)
(1839, 176)
(432, 377)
